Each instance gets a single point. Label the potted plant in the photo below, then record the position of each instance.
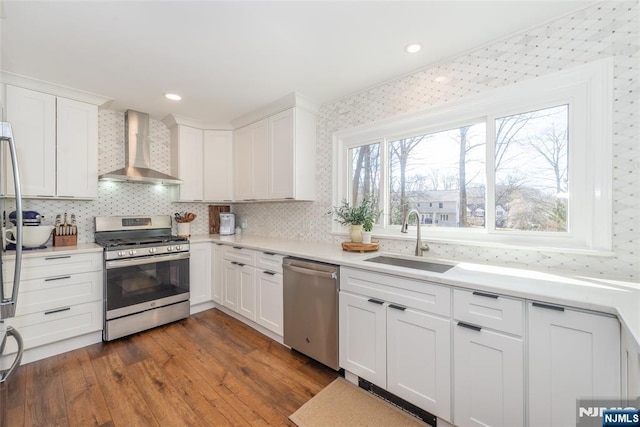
(359, 218)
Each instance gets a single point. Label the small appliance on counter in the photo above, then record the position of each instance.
(227, 224)
(34, 234)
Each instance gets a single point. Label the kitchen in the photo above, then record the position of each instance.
(565, 46)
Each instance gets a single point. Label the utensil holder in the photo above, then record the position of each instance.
(184, 229)
(71, 240)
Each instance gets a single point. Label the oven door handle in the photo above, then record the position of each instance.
(145, 260)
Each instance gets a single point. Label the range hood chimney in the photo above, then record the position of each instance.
(137, 158)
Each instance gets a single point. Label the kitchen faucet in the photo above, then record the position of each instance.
(420, 247)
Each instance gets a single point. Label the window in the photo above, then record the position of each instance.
(526, 165)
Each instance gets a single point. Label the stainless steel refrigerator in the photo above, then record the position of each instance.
(9, 294)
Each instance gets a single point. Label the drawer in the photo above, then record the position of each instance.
(50, 326)
(54, 265)
(241, 255)
(410, 293)
(56, 291)
(269, 261)
(489, 310)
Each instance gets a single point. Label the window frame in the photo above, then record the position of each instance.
(588, 89)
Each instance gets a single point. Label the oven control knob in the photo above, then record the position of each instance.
(178, 248)
(152, 250)
(132, 252)
(169, 248)
(120, 253)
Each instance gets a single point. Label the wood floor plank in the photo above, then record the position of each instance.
(209, 369)
(45, 403)
(121, 394)
(86, 405)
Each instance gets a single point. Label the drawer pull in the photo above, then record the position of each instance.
(548, 306)
(398, 307)
(57, 257)
(376, 301)
(270, 273)
(486, 295)
(57, 310)
(234, 263)
(269, 253)
(238, 248)
(469, 326)
(51, 279)
(240, 264)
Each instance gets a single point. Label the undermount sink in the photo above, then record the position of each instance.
(411, 263)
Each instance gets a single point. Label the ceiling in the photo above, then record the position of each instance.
(227, 58)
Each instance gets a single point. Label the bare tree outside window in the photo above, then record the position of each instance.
(531, 170)
(365, 175)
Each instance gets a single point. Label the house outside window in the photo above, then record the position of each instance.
(515, 166)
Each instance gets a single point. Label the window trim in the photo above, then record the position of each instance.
(589, 90)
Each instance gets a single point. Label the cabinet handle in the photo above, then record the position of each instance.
(548, 306)
(240, 264)
(51, 279)
(57, 310)
(469, 326)
(398, 307)
(238, 248)
(484, 294)
(269, 253)
(57, 257)
(270, 273)
(234, 263)
(376, 301)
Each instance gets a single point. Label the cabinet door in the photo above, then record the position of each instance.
(231, 286)
(419, 359)
(247, 291)
(269, 295)
(217, 274)
(261, 167)
(363, 337)
(33, 119)
(190, 163)
(243, 163)
(200, 273)
(572, 355)
(488, 379)
(282, 155)
(218, 160)
(77, 149)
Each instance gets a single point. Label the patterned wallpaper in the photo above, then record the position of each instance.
(608, 29)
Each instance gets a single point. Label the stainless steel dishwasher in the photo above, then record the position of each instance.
(311, 309)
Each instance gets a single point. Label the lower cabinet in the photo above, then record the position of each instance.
(400, 348)
(269, 297)
(200, 273)
(217, 275)
(572, 355)
(488, 378)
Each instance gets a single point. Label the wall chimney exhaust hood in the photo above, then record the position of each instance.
(137, 156)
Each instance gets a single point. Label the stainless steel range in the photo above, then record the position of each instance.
(146, 273)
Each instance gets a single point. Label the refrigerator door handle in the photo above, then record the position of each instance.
(8, 305)
(4, 375)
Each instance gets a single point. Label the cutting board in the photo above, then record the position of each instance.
(214, 217)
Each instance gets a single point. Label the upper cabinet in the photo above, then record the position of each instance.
(274, 158)
(202, 159)
(57, 144)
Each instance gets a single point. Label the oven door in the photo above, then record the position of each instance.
(139, 284)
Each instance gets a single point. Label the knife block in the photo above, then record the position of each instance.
(71, 240)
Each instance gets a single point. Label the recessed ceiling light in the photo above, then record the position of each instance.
(413, 48)
(172, 96)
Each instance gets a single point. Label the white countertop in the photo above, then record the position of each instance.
(620, 298)
(57, 250)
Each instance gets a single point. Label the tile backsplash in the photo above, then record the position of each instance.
(608, 29)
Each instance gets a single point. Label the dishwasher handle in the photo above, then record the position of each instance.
(311, 272)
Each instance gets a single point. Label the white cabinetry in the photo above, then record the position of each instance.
(396, 333)
(202, 160)
(488, 359)
(251, 161)
(57, 144)
(269, 284)
(274, 158)
(217, 278)
(572, 355)
(239, 281)
(200, 275)
(60, 298)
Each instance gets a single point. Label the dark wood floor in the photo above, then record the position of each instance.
(208, 370)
